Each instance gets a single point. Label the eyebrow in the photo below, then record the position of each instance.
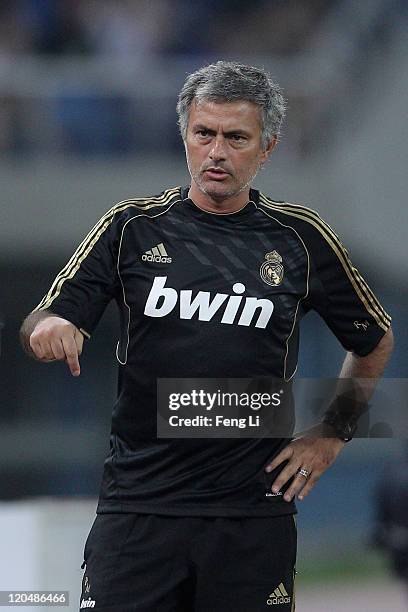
(201, 126)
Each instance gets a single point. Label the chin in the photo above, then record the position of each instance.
(217, 192)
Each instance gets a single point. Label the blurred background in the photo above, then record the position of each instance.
(87, 118)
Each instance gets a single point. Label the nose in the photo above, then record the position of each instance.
(218, 152)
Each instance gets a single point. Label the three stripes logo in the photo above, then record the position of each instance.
(157, 254)
(278, 596)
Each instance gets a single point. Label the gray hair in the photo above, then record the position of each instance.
(231, 82)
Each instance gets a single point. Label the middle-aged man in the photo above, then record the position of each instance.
(211, 280)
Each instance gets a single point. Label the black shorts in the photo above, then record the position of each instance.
(153, 563)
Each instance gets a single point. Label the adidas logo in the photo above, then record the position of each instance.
(278, 596)
(157, 254)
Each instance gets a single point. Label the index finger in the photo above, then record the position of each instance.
(71, 353)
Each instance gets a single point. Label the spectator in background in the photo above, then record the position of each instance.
(280, 27)
(55, 26)
(391, 527)
(128, 29)
(14, 37)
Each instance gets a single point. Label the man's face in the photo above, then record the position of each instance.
(223, 147)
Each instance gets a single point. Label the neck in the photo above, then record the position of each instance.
(221, 206)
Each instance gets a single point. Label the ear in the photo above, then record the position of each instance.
(265, 154)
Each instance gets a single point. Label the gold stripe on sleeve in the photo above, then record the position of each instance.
(325, 227)
(83, 250)
(363, 291)
(309, 213)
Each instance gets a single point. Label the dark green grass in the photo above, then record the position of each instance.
(353, 567)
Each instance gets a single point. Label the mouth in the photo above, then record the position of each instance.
(216, 174)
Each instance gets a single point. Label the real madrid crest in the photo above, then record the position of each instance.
(271, 270)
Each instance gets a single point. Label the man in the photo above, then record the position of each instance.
(207, 524)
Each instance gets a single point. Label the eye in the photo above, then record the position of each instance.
(202, 133)
(237, 138)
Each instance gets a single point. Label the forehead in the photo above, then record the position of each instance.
(229, 115)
